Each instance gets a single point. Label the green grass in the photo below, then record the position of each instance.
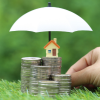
(11, 91)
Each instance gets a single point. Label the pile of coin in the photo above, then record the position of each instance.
(42, 72)
(38, 73)
(50, 88)
(64, 83)
(55, 64)
(33, 84)
(26, 63)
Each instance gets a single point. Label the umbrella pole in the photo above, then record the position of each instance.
(49, 5)
(49, 35)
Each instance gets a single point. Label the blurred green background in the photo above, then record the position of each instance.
(18, 44)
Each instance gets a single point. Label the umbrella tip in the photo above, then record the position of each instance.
(49, 4)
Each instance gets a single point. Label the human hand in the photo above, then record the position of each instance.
(86, 71)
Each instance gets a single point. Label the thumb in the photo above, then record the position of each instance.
(81, 77)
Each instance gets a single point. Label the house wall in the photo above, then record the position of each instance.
(50, 47)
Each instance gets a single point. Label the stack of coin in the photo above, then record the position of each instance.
(50, 88)
(37, 73)
(42, 72)
(33, 84)
(26, 63)
(55, 64)
(64, 83)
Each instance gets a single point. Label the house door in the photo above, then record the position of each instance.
(54, 52)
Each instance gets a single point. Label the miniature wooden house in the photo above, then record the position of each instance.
(52, 48)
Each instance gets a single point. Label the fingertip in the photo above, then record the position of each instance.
(70, 71)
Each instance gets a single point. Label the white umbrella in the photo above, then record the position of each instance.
(50, 19)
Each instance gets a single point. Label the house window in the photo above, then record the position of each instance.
(49, 51)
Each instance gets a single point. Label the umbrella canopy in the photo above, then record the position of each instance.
(50, 19)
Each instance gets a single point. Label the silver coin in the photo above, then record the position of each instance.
(62, 76)
(48, 83)
(65, 87)
(42, 72)
(49, 90)
(46, 93)
(33, 78)
(34, 88)
(31, 60)
(48, 86)
(25, 68)
(26, 63)
(65, 83)
(65, 80)
(34, 91)
(64, 91)
(68, 93)
(51, 61)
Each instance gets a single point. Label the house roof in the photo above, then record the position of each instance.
(52, 41)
